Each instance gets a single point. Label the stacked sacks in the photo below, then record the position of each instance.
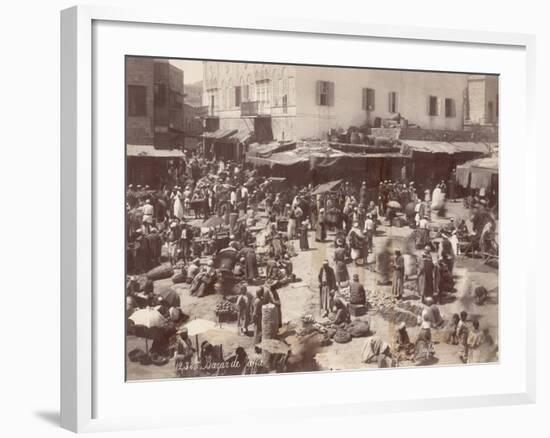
(270, 322)
(270, 328)
(357, 296)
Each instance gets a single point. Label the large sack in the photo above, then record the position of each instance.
(179, 278)
(359, 328)
(399, 222)
(270, 321)
(160, 272)
(411, 267)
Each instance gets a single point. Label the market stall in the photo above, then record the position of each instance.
(480, 173)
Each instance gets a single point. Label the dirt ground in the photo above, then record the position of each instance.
(302, 298)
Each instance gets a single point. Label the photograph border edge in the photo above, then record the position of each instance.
(77, 199)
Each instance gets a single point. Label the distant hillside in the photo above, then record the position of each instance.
(193, 93)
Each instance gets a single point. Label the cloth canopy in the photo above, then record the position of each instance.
(220, 133)
(326, 187)
(477, 173)
(444, 147)
(134, 150)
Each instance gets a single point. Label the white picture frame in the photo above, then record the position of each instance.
(80, 376)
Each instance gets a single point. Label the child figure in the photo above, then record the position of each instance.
(243, 311)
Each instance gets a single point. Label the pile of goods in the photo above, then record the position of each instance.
(358, 296)
(341, 336)
(358, 328)
(180, 277)
(308, 319)
(395, 311)
(408, 312)
(226, 310)
(160, 272)
(380, 299)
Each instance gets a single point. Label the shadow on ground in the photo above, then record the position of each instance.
(51, 417)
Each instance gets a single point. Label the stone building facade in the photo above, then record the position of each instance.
(288, 102)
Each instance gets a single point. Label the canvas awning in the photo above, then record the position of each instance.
(133, 150)
(220, 134)
(477, 173)
(240, 136)
(443, 147)
(326, 187)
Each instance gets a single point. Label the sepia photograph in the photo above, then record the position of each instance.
(286, 218)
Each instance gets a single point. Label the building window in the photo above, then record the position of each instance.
(212, 104)
(238, 96)
(285, 104)
(325, 93)
(433, 106)
(368, 99)
(392, 102)
(496, 107)
(450, 107)
(160, 95)
(137, 100)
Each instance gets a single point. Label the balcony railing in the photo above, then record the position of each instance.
(255, 108)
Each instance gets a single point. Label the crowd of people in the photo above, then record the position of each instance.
(203, 222)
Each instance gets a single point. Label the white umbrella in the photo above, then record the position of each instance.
(148, 317)
(198, 326)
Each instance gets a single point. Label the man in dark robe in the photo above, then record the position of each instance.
(363, 193)
(398, 275)
(257, 314)
(327, 282)
(426, 275)
(154, 244)
(251, 264)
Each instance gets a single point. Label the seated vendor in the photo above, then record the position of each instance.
(431, 313)
(239, 269)
(402, 340)
(286, 264)
(193, 269)
(340, 309)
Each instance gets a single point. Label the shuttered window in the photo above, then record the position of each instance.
(450, 107)
(392, 102)
(368, 99)
(433, 106)
(325, 93)
(238, 96)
